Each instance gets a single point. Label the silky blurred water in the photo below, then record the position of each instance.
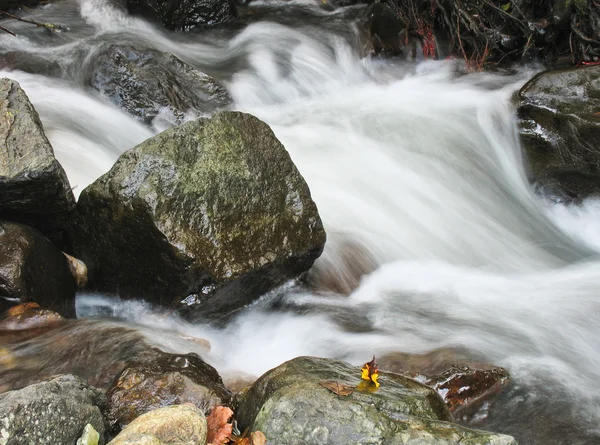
(417, 166)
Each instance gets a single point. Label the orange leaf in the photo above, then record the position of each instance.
(219, 428)
(337, 387)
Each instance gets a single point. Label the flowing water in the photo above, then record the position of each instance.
(416, 166)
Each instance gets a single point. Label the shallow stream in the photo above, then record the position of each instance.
(417, 172)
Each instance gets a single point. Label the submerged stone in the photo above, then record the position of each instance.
(204, 217)
(466, 384)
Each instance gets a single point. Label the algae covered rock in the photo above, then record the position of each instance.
(173, 425)
(290, 406)
(33, 269)
(52, 412)
(206, 216)
(560, 129)
(34, 188)
(168, 380)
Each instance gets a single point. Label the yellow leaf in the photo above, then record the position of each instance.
(370, 371)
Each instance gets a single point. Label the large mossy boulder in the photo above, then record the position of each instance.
(34, 188)
(183, 15)
(206, 216)
(148, 83)
(290, 406)
(168, 380)
(560, 129)
(52, 412)
(33, 269)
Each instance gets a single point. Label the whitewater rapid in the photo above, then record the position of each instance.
(420, 166)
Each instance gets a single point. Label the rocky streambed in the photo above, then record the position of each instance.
(212, 219)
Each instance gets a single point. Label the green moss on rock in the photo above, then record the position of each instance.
(213, 209)
(290, 406)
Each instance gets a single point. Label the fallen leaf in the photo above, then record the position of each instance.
(21, 308)
(337, 387)
(258, 438)
(218, 427)
(370, 371)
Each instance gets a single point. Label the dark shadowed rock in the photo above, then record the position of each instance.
(33, 269)
(183, 15)
(290, 406)
(53, 412)
(34, 188)
(212, 212)
(386, 30)
(560, 129)
(169, 380)
(146, 83)
(6, 5)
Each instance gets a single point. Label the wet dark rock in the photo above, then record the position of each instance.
(466, 389)
(204, 217)
(290, 406)
(169, 380)
(560, 129)
(386, 30)
(466, 385)
(53, 412)
(33, 269)
(7, 5)
(183, 15)
(34, 188)
(147, 84)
